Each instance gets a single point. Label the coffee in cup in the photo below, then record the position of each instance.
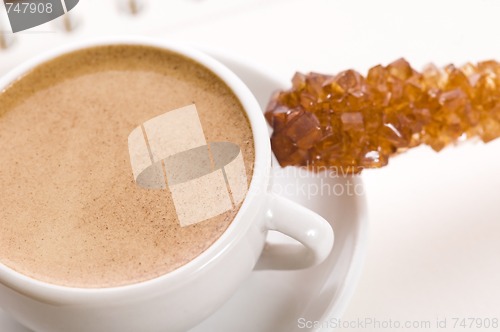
(119, 164)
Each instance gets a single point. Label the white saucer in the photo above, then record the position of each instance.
(274, 301)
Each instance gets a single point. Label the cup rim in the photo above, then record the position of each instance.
(49, 292)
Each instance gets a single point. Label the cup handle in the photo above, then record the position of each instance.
(311, 230)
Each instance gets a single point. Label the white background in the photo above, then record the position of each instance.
(434, 242)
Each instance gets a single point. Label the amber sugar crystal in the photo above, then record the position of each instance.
(350, 122)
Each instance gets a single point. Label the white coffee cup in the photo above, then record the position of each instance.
(184, 297)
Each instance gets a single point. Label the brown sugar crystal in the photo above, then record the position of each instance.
(350, 122)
